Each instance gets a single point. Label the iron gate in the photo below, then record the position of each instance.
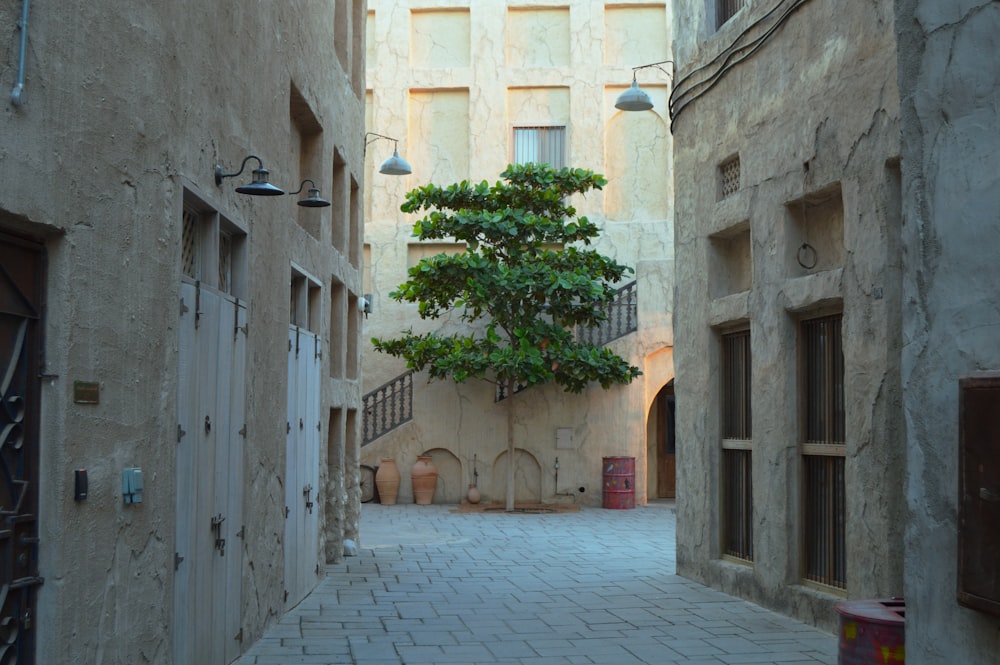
(21, 293)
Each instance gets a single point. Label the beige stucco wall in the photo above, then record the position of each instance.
(813, 113)
(449, 80)
(951, 199)
(125, 107)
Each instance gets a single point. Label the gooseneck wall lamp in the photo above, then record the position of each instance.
(258, 187)
(635, 98)
(313, 200)
(395, 165)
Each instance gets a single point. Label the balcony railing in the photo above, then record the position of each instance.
(622, 319)
(387, 407)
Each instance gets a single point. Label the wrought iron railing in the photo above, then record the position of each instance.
(622, 319)
(387, 407)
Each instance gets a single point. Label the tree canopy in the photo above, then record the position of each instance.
(526, 279)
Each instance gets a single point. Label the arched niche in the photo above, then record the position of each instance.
(527, 478)
(449, 487)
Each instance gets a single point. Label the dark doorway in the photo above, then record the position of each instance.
(21, 306)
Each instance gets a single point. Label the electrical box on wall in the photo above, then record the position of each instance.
(132, 485)
(564, 438)
(979, 492)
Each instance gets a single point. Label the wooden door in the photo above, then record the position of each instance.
(302, 465)
(666, 464)
(209, 483)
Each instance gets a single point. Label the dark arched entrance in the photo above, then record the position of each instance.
(661, 445)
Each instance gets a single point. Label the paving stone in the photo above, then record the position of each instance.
(434, 587)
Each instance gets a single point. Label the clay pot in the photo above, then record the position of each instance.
(474, 496)
(424, 476)
(387, 481)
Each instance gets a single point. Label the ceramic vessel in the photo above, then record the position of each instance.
(387, 481)
(474, 496)
(424, 477)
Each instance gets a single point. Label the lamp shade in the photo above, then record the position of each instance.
(395, 165)
(260, 186)
(634, 99)
(314, 200)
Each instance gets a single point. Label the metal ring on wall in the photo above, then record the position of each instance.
(805, 252)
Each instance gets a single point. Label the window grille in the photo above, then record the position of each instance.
(825, 523)
(736, 385)
(737, 456)
(824, 483)
(540, 145)
(726, 9)
(824, 376)
(189, 243)
(729, 177)
(738, 521)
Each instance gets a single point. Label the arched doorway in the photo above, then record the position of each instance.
(661, 445)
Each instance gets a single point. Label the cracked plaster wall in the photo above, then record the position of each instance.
(548, 63)
(815, 106)
(949, 80)
(125, 108)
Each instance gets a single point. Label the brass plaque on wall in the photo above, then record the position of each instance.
(86, 392)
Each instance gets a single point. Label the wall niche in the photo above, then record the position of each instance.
(815, 232)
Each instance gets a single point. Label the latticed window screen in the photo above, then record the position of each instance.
(737, 484)
(189, 243)
(824, 483)
(729, 177)
(540, 145)
(726, 9)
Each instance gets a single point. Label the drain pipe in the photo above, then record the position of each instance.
(17, 94)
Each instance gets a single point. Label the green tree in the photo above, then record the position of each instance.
(526, 279)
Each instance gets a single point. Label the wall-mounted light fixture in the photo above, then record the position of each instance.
(313, 200)
(395, 165)
(635, 98)
(258, 187)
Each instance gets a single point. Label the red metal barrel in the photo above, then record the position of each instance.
(872, 632)
(619, 483)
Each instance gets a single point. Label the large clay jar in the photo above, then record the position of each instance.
(424, 476)
(387, 481)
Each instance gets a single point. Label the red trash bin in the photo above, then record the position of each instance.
(619, 483)
(872, 632)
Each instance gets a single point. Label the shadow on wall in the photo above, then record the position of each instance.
(527, 478)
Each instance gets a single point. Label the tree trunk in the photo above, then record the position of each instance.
(510, 445)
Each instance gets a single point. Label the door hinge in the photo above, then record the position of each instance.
(239, 636)
(286, 512)
(319, 425)
(243, 431)
(180, 433)
(197, 303)
(184, 307)
(288, 427)
(177, 560)
(242, 531)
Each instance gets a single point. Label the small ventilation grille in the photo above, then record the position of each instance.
(189, 243)
(729, 176)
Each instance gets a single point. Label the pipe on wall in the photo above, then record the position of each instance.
(17, 94)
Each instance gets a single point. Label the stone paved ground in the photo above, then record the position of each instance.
(596, 586)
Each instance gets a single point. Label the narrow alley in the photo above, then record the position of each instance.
(432, 585)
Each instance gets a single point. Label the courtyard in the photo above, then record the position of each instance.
(432, 584)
